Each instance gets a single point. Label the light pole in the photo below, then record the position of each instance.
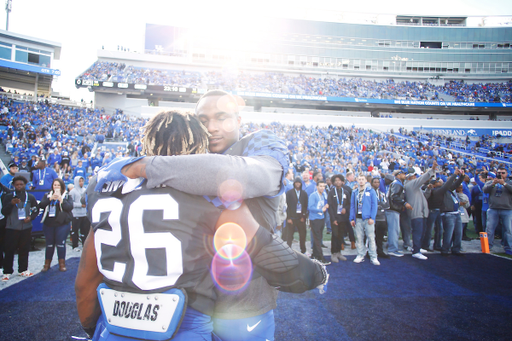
(8, 8)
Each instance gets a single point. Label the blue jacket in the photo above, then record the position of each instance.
(370, 204)
(47, 175)
(315, 204)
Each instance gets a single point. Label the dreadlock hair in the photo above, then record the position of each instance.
(174, 133)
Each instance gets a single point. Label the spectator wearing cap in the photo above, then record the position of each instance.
(500, 207)
(420, 212)
(23, 167)
(397, 204)
(339, 212)
(296, 212)
(452, 223)
(42, 176)
(6, 180)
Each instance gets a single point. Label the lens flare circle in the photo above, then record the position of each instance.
(232, 275)
(229, 125)
(227, 104)
(229, 240)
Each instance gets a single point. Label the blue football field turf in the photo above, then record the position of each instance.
(452, 298)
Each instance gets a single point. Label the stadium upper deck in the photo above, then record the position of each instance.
(434, 51)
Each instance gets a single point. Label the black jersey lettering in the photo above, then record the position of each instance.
(155, 312)
(147, 314)
(115, 310)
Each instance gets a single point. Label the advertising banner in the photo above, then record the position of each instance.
(29, 68)
(371, 100)
(267, 95)
(462, 132)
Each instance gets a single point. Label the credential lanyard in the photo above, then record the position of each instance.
(337, 197)
(26, 200)
(44, 175)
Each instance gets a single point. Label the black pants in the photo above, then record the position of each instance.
(477, 215)
(381, 227)
(317, 227)
(79, 228)
(349, 230)
(337, 236)
(2, 240)
(17, 240)
(289, 231)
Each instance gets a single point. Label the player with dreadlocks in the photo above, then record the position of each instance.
(150, 250)
(186, 136)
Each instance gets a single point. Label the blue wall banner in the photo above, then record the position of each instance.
(462, 132)
(371, 100)
(30, 68)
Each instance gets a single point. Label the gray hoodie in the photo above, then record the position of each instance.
(76, 195)
(415, 197)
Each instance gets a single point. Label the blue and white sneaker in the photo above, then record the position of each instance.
(396, 254)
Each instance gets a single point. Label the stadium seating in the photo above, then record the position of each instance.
(303, 85)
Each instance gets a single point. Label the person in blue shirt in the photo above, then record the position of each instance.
(307, 184)
(317, 206)
(86, 161)
(42, 176)
(363, 212)
(351, 181)
(80, 170)
(288, 181)
(6, 180)
(54, 157)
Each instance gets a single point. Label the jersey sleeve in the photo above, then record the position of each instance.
(203, 174)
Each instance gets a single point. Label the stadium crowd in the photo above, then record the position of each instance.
(302, 85)
(69, 143)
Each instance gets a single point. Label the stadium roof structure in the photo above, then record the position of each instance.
(56, 47)
(431, 20)
(25, 62)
